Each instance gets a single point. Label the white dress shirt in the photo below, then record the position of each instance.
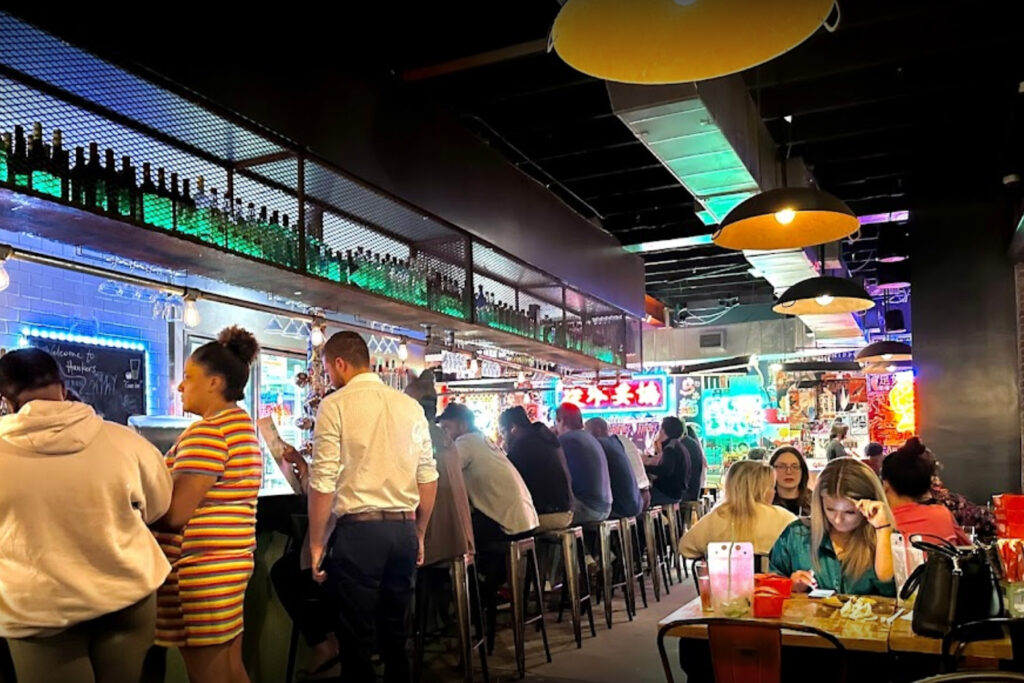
(494, 485)
(371, 448)
(636, 460)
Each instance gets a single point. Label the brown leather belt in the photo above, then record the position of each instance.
(378, 516)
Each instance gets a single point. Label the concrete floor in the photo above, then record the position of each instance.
(627, 652)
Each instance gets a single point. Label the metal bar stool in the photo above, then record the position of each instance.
(654, 535)
(630, 532)
(575, 585)
(523, 572)
(466, 596)
(673, 519)
(606, 532)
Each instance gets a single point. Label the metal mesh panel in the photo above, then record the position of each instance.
(604, 339)
(373, 208)
(496, 264)
(500, 310)
(542, 315)
(632, 342)
(20, 105)
(49, 59)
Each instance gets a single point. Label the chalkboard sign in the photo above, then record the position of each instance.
(111, 380)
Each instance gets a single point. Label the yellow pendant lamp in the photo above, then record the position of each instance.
(823, 295)
(885, 352)
(678, 41)
(786, 218)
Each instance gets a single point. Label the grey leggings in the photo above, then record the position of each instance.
(108, 649)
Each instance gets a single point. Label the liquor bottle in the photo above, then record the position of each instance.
(5, 154)
(96, 184)
(175, 198)
(127, 190)
(228, 224)
(113, 182)
(185, 209)
(151, 205)
(47, 176)
(256, 236)
(214, 219)
(80, 179)
(166, 203)
(17, 165)
(200, 224)
(480, 303)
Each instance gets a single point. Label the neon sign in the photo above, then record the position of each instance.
(731, 414)
(642, 394)
(901, 400)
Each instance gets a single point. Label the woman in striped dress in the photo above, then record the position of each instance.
(209, 532)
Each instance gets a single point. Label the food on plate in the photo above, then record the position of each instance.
(832, 601)
(858, 609)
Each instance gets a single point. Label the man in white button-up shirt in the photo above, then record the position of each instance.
(373, 467)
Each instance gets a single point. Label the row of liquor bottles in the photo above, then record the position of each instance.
(161, 201)
(165, 201)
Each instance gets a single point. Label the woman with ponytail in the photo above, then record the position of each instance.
(907, 475)
(209, 532)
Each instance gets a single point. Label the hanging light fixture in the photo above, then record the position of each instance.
(885, 352)
(190, 315)
(318, 331)
(403, 351)
(822, 295)
(890, 368)
(677, 41)
(786, 218)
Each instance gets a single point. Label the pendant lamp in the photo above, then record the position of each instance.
(678, 41)
(823, 295)
(786, 218)
(889, 368)
(885, 352)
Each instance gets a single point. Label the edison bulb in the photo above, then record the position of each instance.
(521, 377)
(891, 368)
(785, 216)
(886, 356)
(403, 352)
(824, 299)
(5, 279)
(191, 314)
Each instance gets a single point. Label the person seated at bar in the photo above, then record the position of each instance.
(636, 461)
(626, 501)
(698, 481)
(676, 468)
(791, 477)
(537, 454)
(588, 467)
(746, 514)
(907, 478)
(80, 566)
(502, 505)
(874, 454)
(845, 546)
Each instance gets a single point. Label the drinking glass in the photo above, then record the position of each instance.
(700, 570)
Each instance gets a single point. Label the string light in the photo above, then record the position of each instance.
(403, 351)
(191, 316)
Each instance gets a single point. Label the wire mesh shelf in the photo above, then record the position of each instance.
(144, 152)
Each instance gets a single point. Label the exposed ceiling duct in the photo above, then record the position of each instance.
(711, 137)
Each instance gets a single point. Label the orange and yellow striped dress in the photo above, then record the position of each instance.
(201, 602)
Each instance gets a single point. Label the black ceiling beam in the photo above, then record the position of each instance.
(702, 251)
(662, 198)
(627, 154)
(671, 222)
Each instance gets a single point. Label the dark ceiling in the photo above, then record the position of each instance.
(906, 101)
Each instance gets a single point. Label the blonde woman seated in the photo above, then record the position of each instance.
(745, 515)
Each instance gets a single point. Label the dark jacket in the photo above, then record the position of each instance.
(696, 455)
(674, 471)
(537, 454)
(626, 501)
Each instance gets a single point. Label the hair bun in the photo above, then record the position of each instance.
(240, 342)
(914, 446)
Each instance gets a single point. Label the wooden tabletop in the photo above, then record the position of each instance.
(864, 636)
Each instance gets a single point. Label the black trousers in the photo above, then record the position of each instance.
(371, 575)
(308, 603)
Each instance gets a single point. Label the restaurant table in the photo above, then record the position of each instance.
(861, 636)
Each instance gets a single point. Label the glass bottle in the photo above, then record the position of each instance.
(127, 192)
(18, 167)
(184, 208)
(5, 153)
(97, 179)
(200, 224)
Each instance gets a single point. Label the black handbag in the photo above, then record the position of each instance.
(954, 586)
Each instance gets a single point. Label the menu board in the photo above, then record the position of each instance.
(111, 380)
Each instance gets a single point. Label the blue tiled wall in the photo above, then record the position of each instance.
(63, 300)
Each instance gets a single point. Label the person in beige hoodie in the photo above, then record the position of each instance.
(78, 566)
(745, 514)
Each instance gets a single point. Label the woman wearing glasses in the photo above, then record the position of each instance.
(791, 477)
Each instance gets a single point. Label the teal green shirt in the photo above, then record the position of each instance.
(792, 552)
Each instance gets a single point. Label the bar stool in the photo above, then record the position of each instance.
(630, 534)
(654, 532)
(606, 531)
(674, 518)
(465, 594)
(523, 572)
(575, 585)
